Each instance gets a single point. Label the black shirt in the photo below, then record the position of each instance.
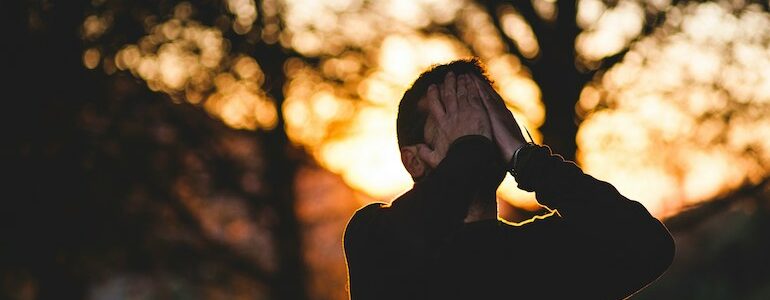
(596, 244)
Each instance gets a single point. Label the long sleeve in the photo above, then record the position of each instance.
(408, 233)
(433, 209)
(437, 205)
(597, 230)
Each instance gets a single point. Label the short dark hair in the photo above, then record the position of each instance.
(410, 122)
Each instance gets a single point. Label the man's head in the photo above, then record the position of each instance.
(412, 121)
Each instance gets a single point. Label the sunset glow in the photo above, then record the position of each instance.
(666, 105)
(229, 149)
(191, 63)
(349, 126)
(684, 117)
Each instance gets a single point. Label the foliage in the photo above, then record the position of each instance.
(184, 147)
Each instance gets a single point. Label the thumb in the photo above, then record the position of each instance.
(428, 155)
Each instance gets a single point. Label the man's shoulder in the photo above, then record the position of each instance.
(375, 209)
(374, 216)
(367, 211)
(364, 216)
(359, 226)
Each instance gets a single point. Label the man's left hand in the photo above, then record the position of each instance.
(505, 131)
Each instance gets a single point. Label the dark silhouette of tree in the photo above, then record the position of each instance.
(99, 165)
(555, 68)
(109, 173)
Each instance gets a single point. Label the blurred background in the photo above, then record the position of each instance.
(215, 149)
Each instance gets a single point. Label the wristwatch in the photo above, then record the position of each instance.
(514, 162)
(515, 159)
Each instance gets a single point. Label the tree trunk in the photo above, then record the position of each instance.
(560, 81)
(283, 161)
(553, 70)
(44, 92)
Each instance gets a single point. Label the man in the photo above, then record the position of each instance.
(442, 239)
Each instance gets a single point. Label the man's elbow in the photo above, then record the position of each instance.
(667, 251)
(662, 252)
(653, 261)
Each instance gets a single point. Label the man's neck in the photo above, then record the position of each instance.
(482, 209)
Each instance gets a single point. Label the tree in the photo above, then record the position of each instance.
(685, 96)
(261, 88)
(109, 175)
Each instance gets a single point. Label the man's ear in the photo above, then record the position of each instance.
(412, 162)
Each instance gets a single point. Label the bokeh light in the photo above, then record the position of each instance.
(344, 111)
(683, 117)
(341, 108)
(358, 57)
(608, 31)
(672, 109)
(191, 62)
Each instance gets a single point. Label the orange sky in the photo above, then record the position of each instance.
(654, 125)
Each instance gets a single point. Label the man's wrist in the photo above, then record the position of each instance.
(515, 160)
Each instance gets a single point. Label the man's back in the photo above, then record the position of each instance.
(441, 239)
(602, 246)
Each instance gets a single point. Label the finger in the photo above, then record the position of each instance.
(497, 108)
(427, 155)
(474, 93)
(486, 100)
(491, 100)
(495, 98)
(448, 92)
(494, 107)
(462, 91)
(430, 130)
(434, 104)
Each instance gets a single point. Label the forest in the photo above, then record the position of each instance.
(215, 149)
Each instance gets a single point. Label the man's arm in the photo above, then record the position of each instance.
(418, 223)
(463, 158)
(412, 230)
(597, 230)
(437, 205)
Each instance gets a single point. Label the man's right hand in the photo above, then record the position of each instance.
(461, 114)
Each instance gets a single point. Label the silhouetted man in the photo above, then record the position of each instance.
(442, 239)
